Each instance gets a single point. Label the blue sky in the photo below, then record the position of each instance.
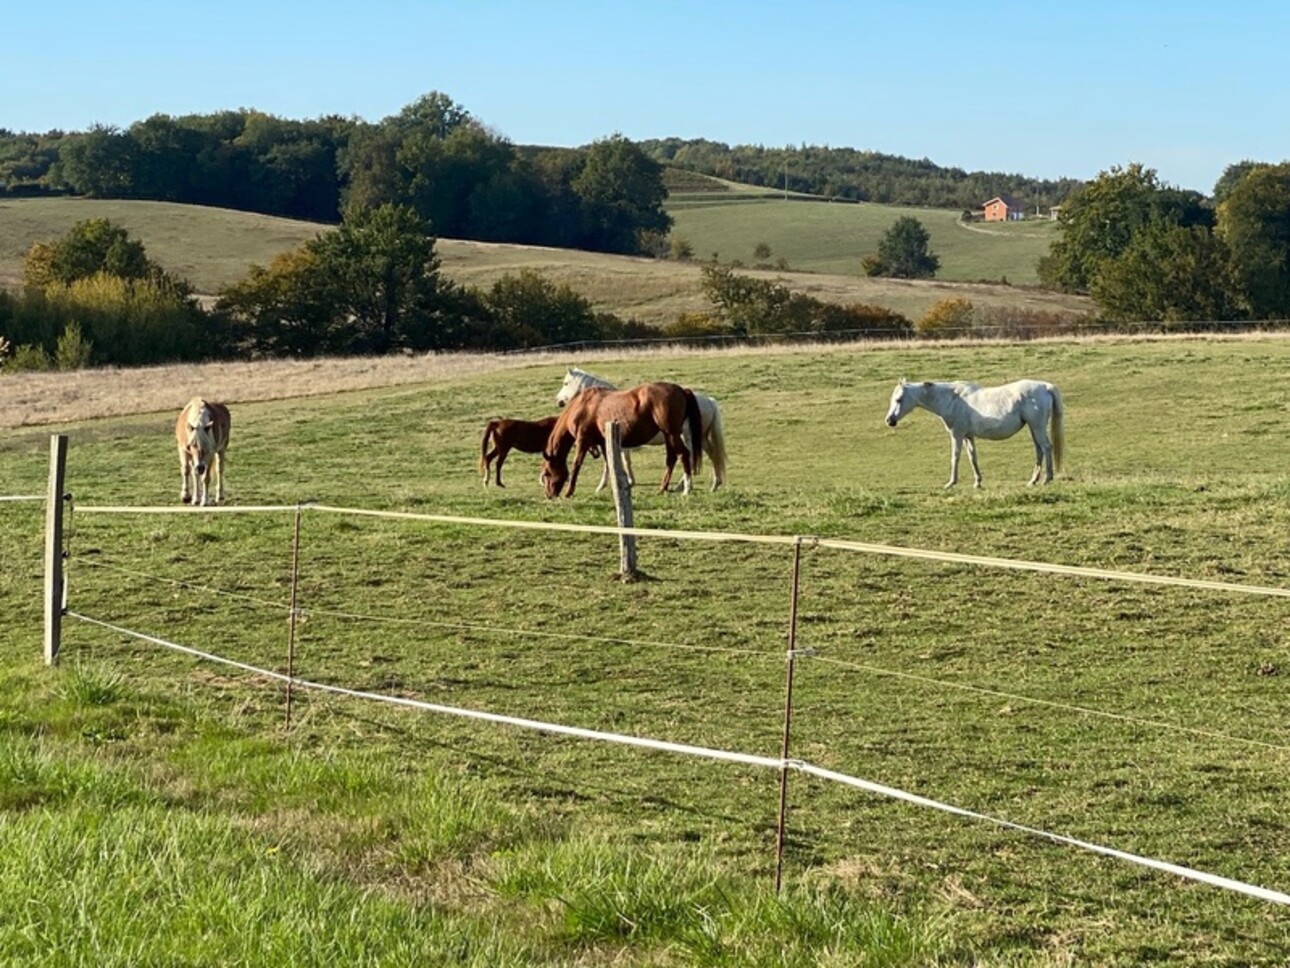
(1046, 90)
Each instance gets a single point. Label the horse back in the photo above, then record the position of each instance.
(528, 436)
(221, 423)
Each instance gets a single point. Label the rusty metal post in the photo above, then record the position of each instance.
(788, 717)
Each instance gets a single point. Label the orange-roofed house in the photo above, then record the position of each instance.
(1004, 208)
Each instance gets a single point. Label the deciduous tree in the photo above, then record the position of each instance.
(1254, 221)
(903, 252)
(621, 191)
(1168, 273)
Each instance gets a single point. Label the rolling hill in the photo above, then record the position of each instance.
(214, 247)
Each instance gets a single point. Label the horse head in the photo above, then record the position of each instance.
(573, 379)
(903, 400)
(555, 471)
(200, 443)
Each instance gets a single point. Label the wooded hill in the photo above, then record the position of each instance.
(470, 182)
(862, 176)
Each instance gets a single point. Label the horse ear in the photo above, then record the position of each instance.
(928, 384)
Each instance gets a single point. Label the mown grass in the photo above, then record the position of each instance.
(833, 237)
(371, 829)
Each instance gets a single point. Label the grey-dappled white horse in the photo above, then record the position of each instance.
(970, 411)
(714, 439)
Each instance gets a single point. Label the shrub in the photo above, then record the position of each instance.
(949, 317)
(29, 356)
(73, 350)
(696, 326)
(681, 249)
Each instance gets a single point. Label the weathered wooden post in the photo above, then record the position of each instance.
(781, 824)
(622, 489)
(54, 580)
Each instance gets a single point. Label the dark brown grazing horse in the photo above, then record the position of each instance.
(503, 436)
(642, 413)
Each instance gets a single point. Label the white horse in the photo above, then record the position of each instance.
(970, 411)
(714, 439)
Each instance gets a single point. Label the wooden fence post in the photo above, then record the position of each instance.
(781, 824)
(622, 489)
(54, 579)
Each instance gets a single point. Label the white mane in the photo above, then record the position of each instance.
(575, 381)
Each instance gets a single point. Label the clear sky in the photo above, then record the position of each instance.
(1037, 88)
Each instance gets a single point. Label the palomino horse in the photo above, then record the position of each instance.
(714, 437)
(526, 436)
(201, 433)
(642, 413)
(970, 411)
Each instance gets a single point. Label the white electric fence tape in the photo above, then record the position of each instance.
(1226, 883)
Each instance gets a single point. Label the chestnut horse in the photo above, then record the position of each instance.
(642, 413)
(503, 436)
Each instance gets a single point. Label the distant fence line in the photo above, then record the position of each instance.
(1021, 329)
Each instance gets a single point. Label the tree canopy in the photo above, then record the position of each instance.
(1254, 221)
(433, 156)
(903, 252)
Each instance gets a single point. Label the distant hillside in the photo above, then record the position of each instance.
(848, 173)
(213, 247)
(809, 233)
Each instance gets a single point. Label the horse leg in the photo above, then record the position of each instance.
(604, 473)
(976, 468)
(501, 459)
(956, 445)
(667, 472)
(577, 465)
(218, 463)
(184, 463)
(627, 465)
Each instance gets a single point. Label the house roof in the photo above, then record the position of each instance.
(1011, 201)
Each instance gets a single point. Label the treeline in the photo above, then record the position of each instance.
(433, 156)
(1148, 252)
(372, 286)
(863, 176)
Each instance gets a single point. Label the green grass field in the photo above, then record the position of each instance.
(832, 237)
(1148, 719)
(215, 247)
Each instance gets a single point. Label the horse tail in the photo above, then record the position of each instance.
(695, 416)
(716, 440)
(483, 444)
(1059, 434)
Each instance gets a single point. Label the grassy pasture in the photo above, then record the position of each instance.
(215, 247)
(832, 237)
(1145, 718)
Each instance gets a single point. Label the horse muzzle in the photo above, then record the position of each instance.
(891, 421)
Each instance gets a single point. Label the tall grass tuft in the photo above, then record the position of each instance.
(92, 684)
(607, 893)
